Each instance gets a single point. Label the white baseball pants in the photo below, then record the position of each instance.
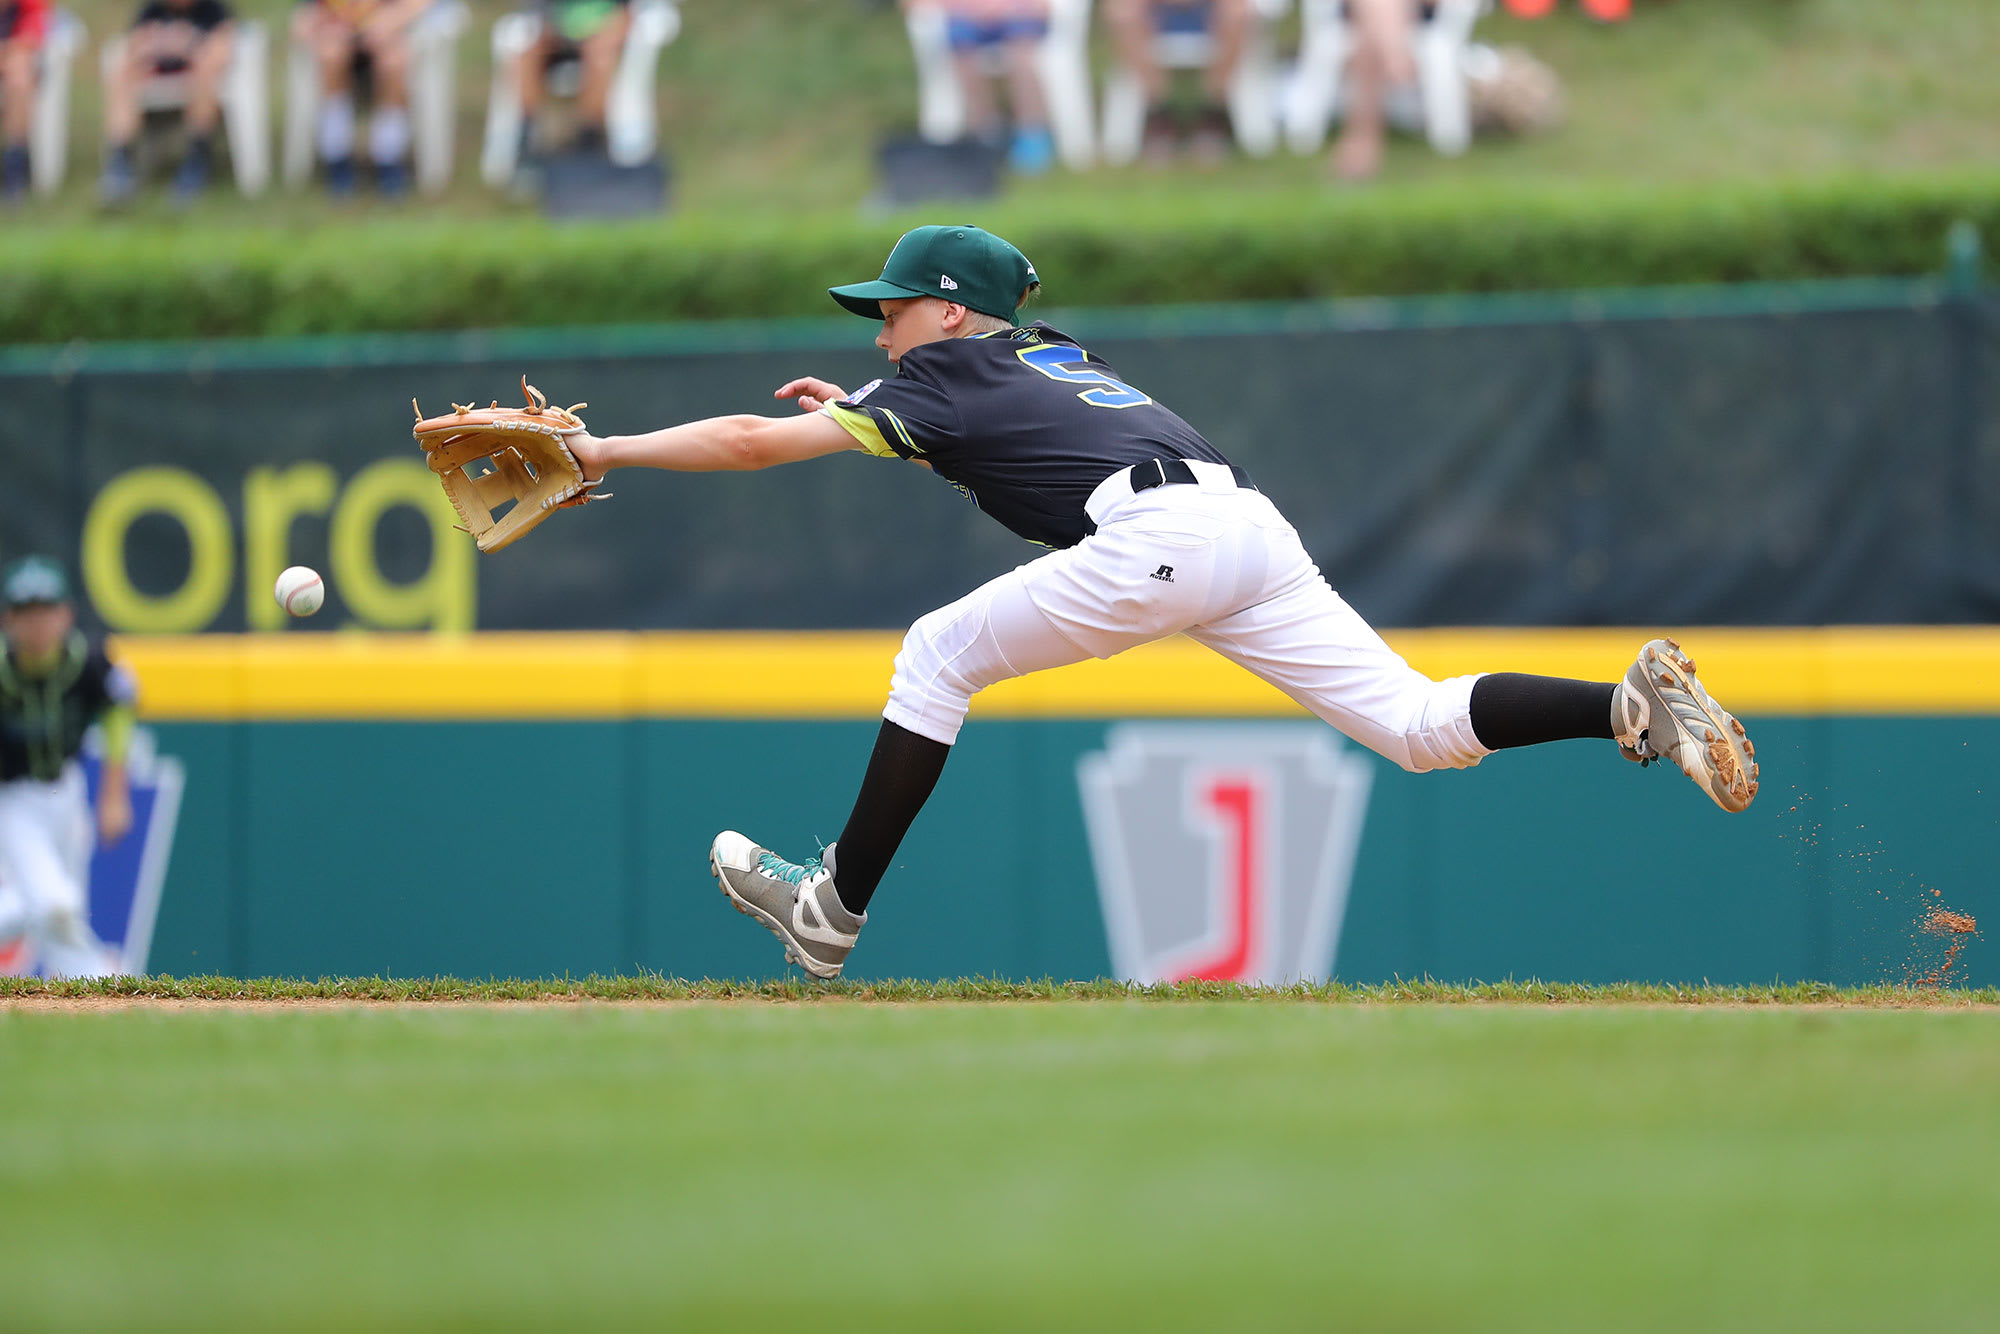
(1212, 561)
(45, 842)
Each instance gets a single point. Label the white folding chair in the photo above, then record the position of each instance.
(433, 98)
(1253, 92)
(48, 122)
(1442, 106)
(631, 109)
(1065, 69)
(245, 98)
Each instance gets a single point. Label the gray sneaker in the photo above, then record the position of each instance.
(797, 902)
(1662, 712)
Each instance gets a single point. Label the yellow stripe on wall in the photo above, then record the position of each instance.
(1873, 670)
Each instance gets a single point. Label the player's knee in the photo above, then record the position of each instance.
(935, 652)
(925, 694)
(1437, 729)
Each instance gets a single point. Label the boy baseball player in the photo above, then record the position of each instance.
(1152, 533)
(53, 686)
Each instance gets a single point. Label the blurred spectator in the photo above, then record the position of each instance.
(1381, 59)
(1135, 23)
(23, 24)
(1016, 28)
(171, 39)
(364, 41)
(591, 32)
(1512, 92)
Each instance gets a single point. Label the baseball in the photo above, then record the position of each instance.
(300, 591)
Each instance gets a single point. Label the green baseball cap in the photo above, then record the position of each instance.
(31, 580)
(975, 268)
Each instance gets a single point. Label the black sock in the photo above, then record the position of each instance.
(1512, 709)
(901, 774)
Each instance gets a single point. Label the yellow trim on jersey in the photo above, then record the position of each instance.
(909, 442)
(1889, 671)
(863, 428)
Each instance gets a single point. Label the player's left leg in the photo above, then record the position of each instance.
(1163, 559)
(817, 907)
(40, 824)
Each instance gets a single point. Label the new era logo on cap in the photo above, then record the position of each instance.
(962, 264)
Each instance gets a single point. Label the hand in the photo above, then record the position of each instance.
(114, 809)
(812, 394)
(591, 453)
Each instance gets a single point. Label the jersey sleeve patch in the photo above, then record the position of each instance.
(910, 416)
(863, 392)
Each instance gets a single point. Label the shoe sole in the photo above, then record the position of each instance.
(793, 954)
(1731, 755)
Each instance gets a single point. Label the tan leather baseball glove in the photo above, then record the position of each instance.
(487, 457)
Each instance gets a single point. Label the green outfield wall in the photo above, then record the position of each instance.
(529, 783)
(457, 809)
(550, 848)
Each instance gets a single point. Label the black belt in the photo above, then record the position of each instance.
(1175, 472)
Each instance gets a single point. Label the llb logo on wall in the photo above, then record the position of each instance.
(1223, 852)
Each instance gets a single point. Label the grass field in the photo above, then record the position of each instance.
(1077, 1157)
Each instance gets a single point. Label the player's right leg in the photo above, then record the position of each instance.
(1663, 711)
(1308, 642)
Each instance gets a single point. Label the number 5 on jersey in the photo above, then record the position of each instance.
(1057, 362)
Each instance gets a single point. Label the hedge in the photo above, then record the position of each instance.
(113, 281)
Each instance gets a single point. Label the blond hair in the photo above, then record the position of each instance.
(979, 322)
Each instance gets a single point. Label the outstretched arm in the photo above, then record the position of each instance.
(716, 444)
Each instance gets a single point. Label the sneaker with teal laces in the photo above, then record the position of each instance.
(796, 902)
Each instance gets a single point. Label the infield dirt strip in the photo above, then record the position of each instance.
(655, 990)
(1922, 1000)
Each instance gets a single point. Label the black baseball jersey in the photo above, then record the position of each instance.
(43, 718)
(1025, 424)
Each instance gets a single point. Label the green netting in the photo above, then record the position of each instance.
(1763, 455)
